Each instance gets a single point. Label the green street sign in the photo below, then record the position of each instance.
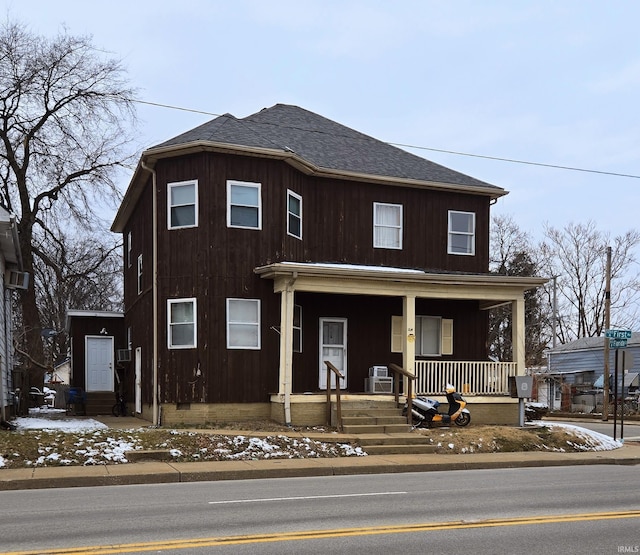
(617, 343)
(618, 334)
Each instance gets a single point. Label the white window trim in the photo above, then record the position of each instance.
(194, 343)
(257, 324)
(471, 234)
(289, 213)
(129, 247)
(258, 186)
(299, 328)
(377, 225)
(139, 274)
(444, 340)
(170, 186)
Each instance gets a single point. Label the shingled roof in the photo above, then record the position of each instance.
(313, 144)
(323, 143)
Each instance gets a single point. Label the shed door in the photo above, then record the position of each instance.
(333, 347)
(99, 363)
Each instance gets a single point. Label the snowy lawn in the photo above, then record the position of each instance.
(73, 441)
(64, 441)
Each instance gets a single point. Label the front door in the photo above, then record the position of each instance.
(333, 348)
(99, 363)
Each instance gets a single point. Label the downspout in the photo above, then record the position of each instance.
(154, 265)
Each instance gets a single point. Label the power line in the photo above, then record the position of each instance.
(443, 151)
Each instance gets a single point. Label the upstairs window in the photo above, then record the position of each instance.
(139, 274)
(387, 226)
(462, 233)
(294, 215)
(181, 333)
(243, 324)
(244, 205)
(129, 247)
(183, 204)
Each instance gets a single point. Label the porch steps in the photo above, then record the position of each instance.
(395, 444)
(381, 429)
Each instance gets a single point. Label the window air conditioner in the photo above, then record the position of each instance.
(123, 355)
(16, 280)
(378, 372)
(379, 385)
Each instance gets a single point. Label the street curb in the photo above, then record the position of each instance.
(167, 472)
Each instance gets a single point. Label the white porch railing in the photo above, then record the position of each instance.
(471, 377)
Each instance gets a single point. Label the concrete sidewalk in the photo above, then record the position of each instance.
(149, 472)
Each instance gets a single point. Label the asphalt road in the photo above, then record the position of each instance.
(585, 509)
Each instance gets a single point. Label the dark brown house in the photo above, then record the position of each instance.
(258, 248)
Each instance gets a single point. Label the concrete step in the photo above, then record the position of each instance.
(391, 411)
(412, 449)
(376, 428)
(375, 420)
(392, 439)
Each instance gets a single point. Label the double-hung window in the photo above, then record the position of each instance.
(294, 214)
(139, 274)
(243, 323)
(387, 226)
(183, 204)
(462, 233)
(129, 247)
(181, 320)
(244, 205)
(297, 328)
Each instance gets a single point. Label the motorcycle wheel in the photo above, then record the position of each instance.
(463, 419)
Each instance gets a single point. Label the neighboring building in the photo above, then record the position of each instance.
(573, 379)
(257, 249)
(13, 278)
(98, 341)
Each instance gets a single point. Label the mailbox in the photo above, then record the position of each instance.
(521, 386)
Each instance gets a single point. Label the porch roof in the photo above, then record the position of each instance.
(490, 289)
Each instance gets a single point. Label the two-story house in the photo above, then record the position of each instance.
(257, 248)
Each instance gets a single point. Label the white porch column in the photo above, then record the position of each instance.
(286, 350)
(409, 328)
(518, 334)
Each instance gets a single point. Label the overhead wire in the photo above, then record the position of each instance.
(417, 147)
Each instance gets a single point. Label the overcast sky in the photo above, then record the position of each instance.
(551, 82)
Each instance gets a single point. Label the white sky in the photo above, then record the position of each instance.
(539, 81)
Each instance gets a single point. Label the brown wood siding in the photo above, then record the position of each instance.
(212, 262)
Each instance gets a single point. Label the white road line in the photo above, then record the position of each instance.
(306, 497)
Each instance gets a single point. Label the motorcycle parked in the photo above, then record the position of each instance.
(425, 410)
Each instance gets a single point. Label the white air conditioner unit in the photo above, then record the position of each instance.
(123, 355)
(378, 372)
(16, 280)
(378, 385)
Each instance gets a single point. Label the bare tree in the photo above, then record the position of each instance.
(512, 254)
(577, 255)
(66, 116)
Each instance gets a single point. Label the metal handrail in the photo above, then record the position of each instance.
(332, 368)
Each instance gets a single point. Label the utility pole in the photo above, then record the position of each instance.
(607, 322)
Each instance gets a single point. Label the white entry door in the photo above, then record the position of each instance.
(138, 378)
(99, 363)
(333, 348)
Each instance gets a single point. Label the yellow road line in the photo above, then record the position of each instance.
(319, 534)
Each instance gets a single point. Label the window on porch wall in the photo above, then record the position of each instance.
(434, 335)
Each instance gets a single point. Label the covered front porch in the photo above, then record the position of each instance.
(486, 382)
